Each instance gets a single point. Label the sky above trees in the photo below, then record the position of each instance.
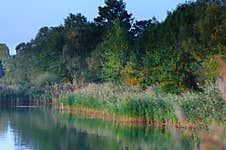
(20, 20)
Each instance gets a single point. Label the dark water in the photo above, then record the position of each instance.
(37, 129)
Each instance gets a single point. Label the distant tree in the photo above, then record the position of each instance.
(2, 73)
(94, 64)
(145, 33)
(4, 56)
(71, 62)
(114, 9)
(212, 27)
(75, 28)
(81, 38)
(115, 52)
(140, 26)
(48, 57)
(4, 52)
(20, 47)
(75, 22)
(41, 37)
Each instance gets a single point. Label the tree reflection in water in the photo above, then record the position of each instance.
(48, 130)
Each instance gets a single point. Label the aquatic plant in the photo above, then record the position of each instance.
(150, 104)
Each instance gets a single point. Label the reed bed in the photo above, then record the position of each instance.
(149, 104)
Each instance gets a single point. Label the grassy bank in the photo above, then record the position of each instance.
(151, 105)
(21, 95)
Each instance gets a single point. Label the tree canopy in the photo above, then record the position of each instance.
(177, 54)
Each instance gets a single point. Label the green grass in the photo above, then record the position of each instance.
(153, 105)
(22, 96)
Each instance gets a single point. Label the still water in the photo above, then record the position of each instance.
(38, 129)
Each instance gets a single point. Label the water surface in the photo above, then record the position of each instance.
(38, 129)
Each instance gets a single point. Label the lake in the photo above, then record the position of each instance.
(45, 129)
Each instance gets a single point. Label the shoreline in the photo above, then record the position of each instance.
(130, 121)
(24, 106)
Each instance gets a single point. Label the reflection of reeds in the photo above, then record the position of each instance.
(214, 139)
(152, 107)
(134, 137)
(176, 135)
(134, 107)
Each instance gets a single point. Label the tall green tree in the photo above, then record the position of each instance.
(4, 56)
(81, 38)
(212, 27)
(2, 73)
(115, 52)
(4, 52)
(114, 9)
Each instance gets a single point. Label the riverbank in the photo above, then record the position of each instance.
(131, 121)
(124, 105)
(134, 106)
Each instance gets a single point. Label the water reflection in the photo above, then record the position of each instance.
(45, 130)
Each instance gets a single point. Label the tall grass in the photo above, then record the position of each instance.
(150, 104)
(17, 95)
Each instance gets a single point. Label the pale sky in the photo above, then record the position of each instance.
(21, 19)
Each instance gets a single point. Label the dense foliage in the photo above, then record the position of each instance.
(178, 54)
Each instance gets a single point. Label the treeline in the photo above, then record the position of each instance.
(177, 54)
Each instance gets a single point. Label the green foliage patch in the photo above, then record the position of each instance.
(202, 107)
